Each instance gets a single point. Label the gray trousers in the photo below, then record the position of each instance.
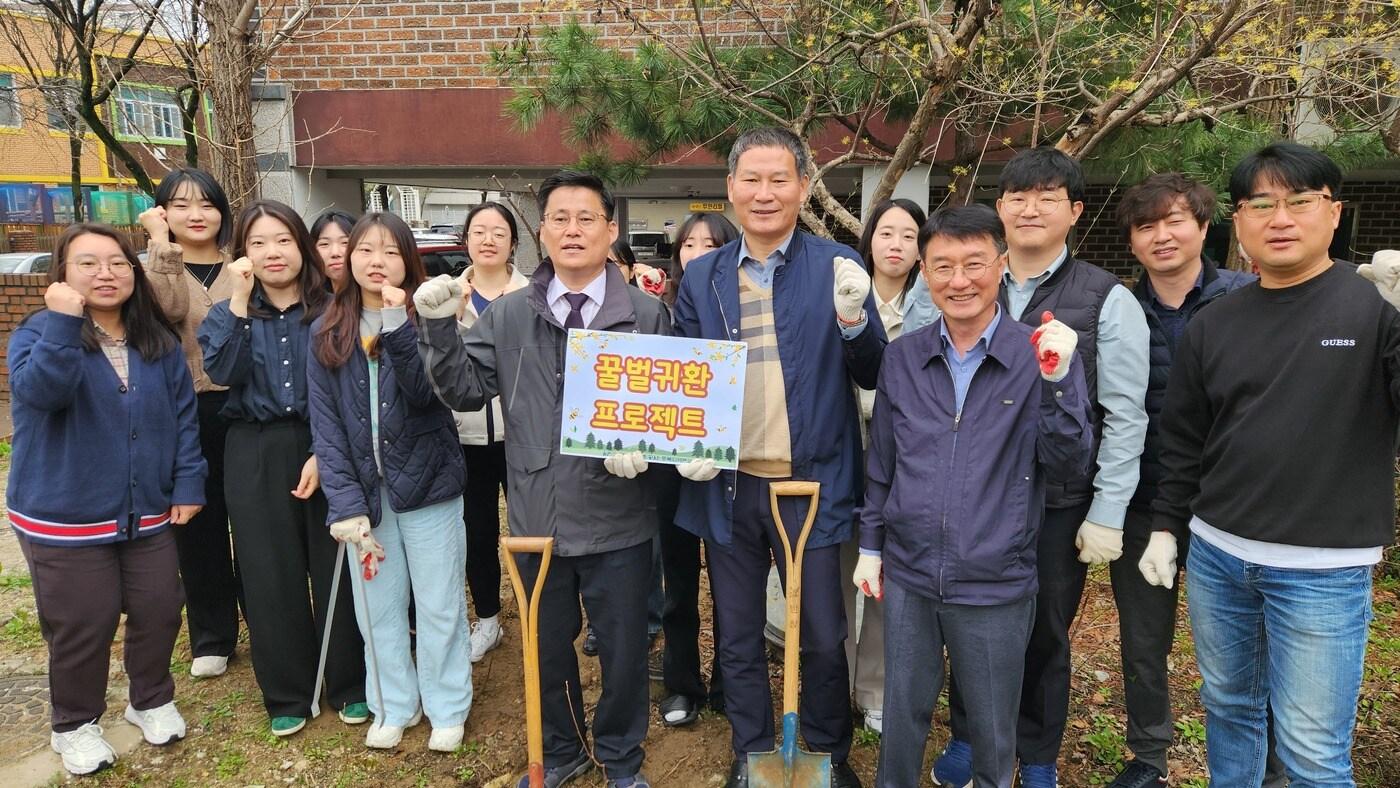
(987, 648)
(865, 650)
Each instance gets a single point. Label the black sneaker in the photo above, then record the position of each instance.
(1137, 774)
(555, 776)
(590, 644)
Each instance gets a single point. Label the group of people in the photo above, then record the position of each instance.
(986, 415)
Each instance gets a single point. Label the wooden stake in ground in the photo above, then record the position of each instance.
(529, 607)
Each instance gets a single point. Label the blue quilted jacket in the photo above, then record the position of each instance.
(417, 439)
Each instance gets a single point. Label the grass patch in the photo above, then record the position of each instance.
(230, 762)
(22, 630)
(15, 580)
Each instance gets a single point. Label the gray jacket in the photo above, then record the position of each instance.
(516, 351)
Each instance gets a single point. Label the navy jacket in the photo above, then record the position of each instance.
(954, 502)
(818, 367)
(95, 461)
(417, 438)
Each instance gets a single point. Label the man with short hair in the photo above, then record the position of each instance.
(803, 305)
(1042, 196)
(966, 420)
(1164, 220)
(1278, 442)
(601, 516)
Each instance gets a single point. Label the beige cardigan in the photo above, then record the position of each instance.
(185, 301)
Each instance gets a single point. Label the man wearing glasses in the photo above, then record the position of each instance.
(1042, 196)
(1278, 442)
(964, 416)
(602, 517)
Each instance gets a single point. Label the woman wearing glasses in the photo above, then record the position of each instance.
(491, 242)
(106, 458)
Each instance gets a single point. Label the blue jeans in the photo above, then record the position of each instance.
(1291, 638)
(426, 548)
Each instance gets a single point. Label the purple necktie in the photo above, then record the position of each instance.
(576, 302)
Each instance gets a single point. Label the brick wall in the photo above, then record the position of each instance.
(381, 45)
(20, 294)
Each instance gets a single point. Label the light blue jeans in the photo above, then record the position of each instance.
(427, 550)
(1291, 638)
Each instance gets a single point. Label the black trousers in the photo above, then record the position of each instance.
(281, 540)
(680, 619)
(1045, 686)
(207, 568)
(81, 593)
(613, 586)
(739, 575)
(486, 482)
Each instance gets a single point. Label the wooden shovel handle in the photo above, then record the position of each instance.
(793, 636)
(529, 608)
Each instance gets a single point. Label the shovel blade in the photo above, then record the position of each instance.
(772, 770)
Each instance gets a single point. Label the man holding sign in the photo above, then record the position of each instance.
(600, 514)
(803, 305)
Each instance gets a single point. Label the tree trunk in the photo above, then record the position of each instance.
(227, 78)
(75, 170)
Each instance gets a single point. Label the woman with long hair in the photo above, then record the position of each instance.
(256, 343)
(393, 476)
(331, 233)
(189, 229)
(492, 238)
(889, 245)
(106, 458)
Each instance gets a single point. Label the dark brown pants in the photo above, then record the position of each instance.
(81, 593)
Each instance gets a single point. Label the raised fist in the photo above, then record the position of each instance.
(154, 221)
(242, 270)
(1054, 347)
(64, 299)
(393, 296)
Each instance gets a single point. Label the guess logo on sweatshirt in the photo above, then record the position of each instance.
(1339, 343)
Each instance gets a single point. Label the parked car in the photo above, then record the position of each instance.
(447, 229)
(425, 237)
(441, 258)
(649, 244)
(25, 263)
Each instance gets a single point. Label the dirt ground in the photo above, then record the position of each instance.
(229, 743)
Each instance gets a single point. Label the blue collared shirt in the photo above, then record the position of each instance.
(964, 367)
(1122, 367)
(763, 271)
(261, 359)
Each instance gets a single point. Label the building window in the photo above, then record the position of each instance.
(61, 101)
(9, 101)
(149, 113)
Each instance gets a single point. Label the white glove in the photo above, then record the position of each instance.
(1384, 271)
(1054, 347)
(852, 285)
(698, 470)
(357, 533)
(1158, 564)
(1098, 544)
(438, 297)
(625, 464)
(868, 576)
(351, 531)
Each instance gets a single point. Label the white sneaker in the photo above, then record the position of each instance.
(486, 635)
(387, 737)
(84, 751)
(161, 725)
(208, 667)
(445, 739)
(875, 720)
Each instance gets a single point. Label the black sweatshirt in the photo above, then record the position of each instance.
(1281, 414)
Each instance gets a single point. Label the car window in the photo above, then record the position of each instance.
(9, 262)
(41, 264)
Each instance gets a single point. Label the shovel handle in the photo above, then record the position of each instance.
(793, 592)
(529, 608)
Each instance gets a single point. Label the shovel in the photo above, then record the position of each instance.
(326, 634)
(529, 607)
(789, 767)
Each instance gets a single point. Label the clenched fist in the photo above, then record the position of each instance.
(1054, 347)
(154, 222)
(438, 297)
(393, 296)
(852, 285)
(62, 298)
(242, 270)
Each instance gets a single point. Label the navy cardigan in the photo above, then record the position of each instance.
(96, 461)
